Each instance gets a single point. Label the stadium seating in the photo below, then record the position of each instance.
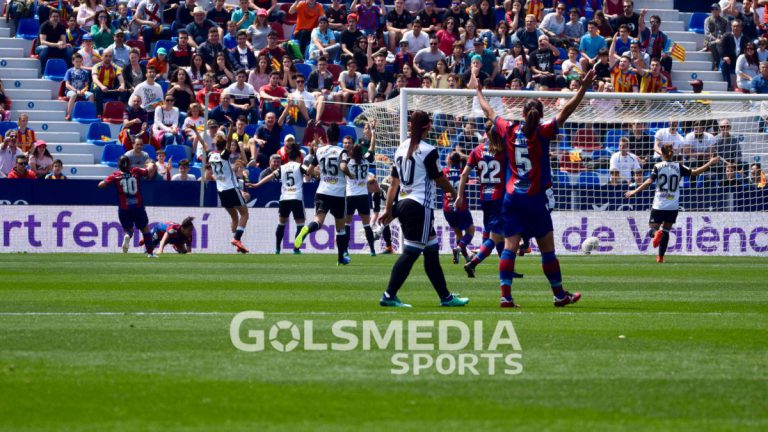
(6, 126)
(137, 44)
(97, 132)
(288, 129)
(588, 179)
(561, 178)
(332, 113)
(290, 19)
(151, 152)
(304, 68)
(62, 93)
(84, 112)
(347, 130)
(354, 111)
(164, 85)
(336, 70)
(585, 139)
(167, 44)
(28, 28)
(250, 129)
(113, 112)
(111, 154)
(612, 136)
(696, 24)
(55, 69)
(195, 171)
(176, 153)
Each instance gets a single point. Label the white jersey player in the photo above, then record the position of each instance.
(415, 173)
(291, 177)
(329, 164)
(358, 177)
(668, 176)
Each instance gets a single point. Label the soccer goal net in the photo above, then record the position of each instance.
(606, 148)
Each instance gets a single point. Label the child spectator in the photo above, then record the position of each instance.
(160, 63)
(56, 171)
(25, 136)
(183, 174)
(90, 55)
(78, 82)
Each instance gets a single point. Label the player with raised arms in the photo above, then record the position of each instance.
(490, 160)
(227, 185)
(415, 174)
(524, 209)
(291, 175)
(131, 211)
(357, 169)
(329, 165)
(458, 217)
(177, 235)
(666, 200)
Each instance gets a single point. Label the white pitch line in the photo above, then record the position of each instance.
(403, 313)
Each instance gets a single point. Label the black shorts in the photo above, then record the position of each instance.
(331, 204)
(660, 216)
(359, 204)
(416, 221)
(285, 208)
(231, 198)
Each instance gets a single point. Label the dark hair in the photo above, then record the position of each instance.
(184, 162)
(183, 31)
(333, 133)
(241, 33)
(594, 23)
(124, 163)
(58, 161)
(455, 158)
(667, 151)
(294, 153)
(187, 222)
(532, 113)
(357, 152)
(420, 121)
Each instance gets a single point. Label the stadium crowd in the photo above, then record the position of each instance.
(162, 63)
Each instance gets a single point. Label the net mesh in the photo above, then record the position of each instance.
(584, 176)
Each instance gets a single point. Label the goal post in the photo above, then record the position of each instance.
(606, 148)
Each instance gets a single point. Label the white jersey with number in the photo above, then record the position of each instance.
(358, 183)
(417, 175)
(668, 176)
(332, 179)
(222, 172)
(291, 177)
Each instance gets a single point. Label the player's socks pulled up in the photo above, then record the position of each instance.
(551, 266)
(279, 233)
(369, 238)
(305, 231)
(148, 244)
(402, 269)
(506, 272)
(239, 233)
(664, 242)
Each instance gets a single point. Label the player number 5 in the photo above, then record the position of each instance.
(523, 163)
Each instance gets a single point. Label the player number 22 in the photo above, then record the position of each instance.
(489, 171)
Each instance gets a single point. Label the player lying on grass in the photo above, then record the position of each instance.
(170, 233)
(666, 200)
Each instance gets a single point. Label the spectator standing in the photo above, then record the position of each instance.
(654, 41)
(629, 17)
(368, 14)
(24, 135)
(671, 136)
(8, 153)
(308, 13)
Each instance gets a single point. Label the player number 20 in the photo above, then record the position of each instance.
(668, 184)
(129, 185)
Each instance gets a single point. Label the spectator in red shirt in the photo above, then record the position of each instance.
(214, 97)
(20, 171)
(272, 95)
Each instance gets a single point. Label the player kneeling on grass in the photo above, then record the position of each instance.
(666, 201)
(131, 207)
(458, 217)
(415, 173)
(170, 233)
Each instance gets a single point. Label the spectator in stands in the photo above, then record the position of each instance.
(731, 46)
(747, 67)
(273, 51)
(88, 12)
(258, 32)
(166, 125)
(731, 179)
(219, 14)
(624, 162)
(670, 135)
(426, 59)
(90, 55)
(759, 84)
(271, 95)
(152, 172)
(616, 179)
(259, 76)
(78, 82)
(613, 8)
(134, 124)
(715, 27)
(121, 53)
(337, 16)
(652, 80)
(459, 15)
(211, 135)
(762, 49)
(349, 38)
(25, 136)
(590, 46)
(574, 29)
(213, 93)
(490, 63)
(181, 90)
(244, 96)
(757, 176)
(74, 36)
(195, 120)
(200, 27)
(304, 101)
(622, 41)
(324, 42)
(382, 80)
(728, 147)
(211, 47)
(637, 58)
(20, 170)
(274, 160)
(56, 171)
(731, 8)
(40, 159)
(308, 12)
(8, 153)
(351, 84)
(160, 63)
(108, 81)
(553, 25)
(137, 155)
(149, 16)
(183, 174)
(150, 92)
(542, 64)
(122, 22)
(630, 18)
(748, 19)
(134, 73)
(242, 16)
(181, 54)
(184, 13)
(653, 42)
(415, 38)
(572, 67)
(225, 113)
(430, 20)
(102, 33)
(53, 41)
(368, 15)
(603, 26)
(529, 35)
(398, 22)
(458, 62)
(314, 135)
(623, 78)
(699, 145)
(224, 74)
(515, 64)
(501, 39)
(268, 137)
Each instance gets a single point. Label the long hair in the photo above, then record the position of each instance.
(495, 141)
(187, 222)
(357, 152)
(667, 151)
(124, 164)
(419, 126)
(532, 113)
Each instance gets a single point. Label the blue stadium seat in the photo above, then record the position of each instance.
(601, 154)
(354, 111)
(612, 137)
(95, 133)
(499, 15)
(253, 174)
(84, 112)
(28, 28)
(561, 178)
(250, 129)
(440, 122)
(111, 154)
(588, 179)
(195, 171)
(175, 153)
(696, 24)
(164, 84)
(6, 126)
(55, 69)
(288, 129)
(167, 44)
(347, 130)
(151, 152)
(304, 68)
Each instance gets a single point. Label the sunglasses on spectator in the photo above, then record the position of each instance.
(300, 82)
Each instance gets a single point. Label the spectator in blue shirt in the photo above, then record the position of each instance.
(590, 46)
(759, 84)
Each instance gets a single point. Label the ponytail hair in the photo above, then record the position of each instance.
(419, 126)
(667, 151)
(495, 141)
(532, 113)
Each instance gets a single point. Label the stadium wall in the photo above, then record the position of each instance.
(95, 229)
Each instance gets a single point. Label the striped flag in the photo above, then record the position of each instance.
(675, 51)
(535, 8)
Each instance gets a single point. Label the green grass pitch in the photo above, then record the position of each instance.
(694, 355)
